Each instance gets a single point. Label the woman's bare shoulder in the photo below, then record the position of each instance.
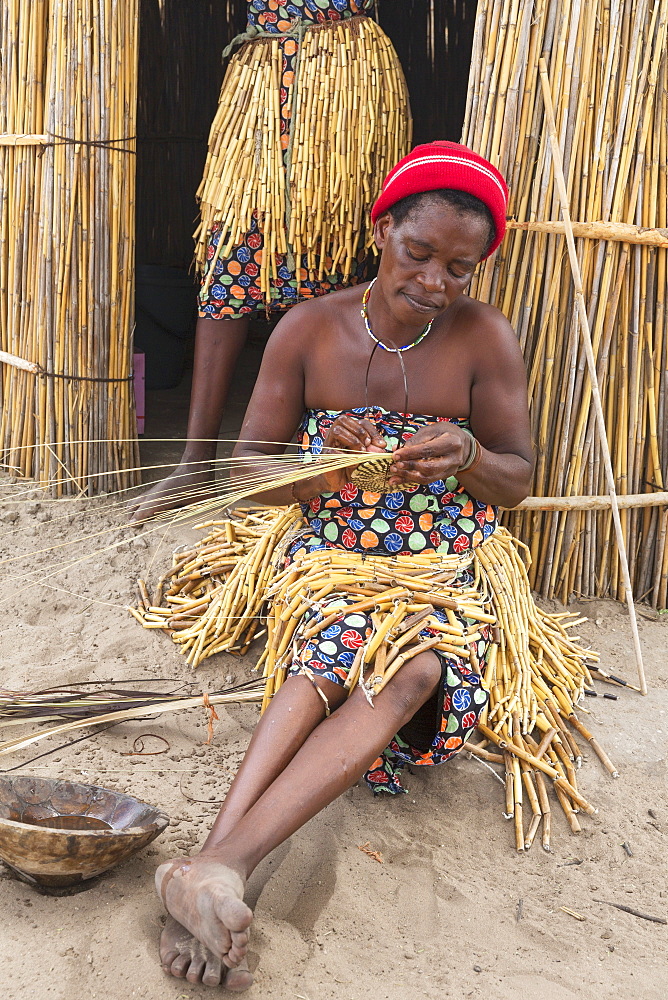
(483, 333)
(321, 316)
(484, 318)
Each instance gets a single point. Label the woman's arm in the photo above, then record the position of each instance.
(274, 412)
(499, 422)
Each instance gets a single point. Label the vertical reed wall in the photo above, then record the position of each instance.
(609, 74)
(68, 87)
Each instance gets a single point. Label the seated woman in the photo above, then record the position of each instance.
(464, 448)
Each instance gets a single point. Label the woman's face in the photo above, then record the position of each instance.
(428, 259)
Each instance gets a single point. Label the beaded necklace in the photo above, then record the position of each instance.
(392, 350)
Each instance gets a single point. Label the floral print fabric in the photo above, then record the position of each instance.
(235, 290)
(351, 519)
(276, 15)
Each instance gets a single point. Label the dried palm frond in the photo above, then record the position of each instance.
(93, 711)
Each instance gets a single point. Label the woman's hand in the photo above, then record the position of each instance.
(349, 433)
(435, 452)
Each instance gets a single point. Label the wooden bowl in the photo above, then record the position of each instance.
(57, 833)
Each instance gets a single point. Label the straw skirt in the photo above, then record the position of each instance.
(307, 126)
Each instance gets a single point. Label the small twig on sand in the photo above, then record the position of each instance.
(206, 802)
(572, 913)
(366, 849)
(138, 746)
(635, 913)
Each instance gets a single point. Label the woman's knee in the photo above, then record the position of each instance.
(416, 681)
(312, 690)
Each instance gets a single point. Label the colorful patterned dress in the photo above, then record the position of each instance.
(440, 517)
(234, 290)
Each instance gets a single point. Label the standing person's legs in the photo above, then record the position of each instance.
(218, 343)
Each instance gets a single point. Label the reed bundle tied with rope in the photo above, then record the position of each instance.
(68, 77)
(218, 593)
(349, 124)
(608, 68)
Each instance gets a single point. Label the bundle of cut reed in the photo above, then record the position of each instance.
(350, 122)
(67, 117)
(224, 587)
(86, 709)
(217, 589)
(609, 72)
(402, 590)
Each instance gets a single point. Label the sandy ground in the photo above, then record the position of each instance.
(439, 916)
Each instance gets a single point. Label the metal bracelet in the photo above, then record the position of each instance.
(474, 455)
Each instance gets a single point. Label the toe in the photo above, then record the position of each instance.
(194, 973)
(233, 913)
(234, 957)
(174, 941)
(239, 979)
(240, 938)
(167, 957)
(213, 972)
(180, 965)
(237, 952)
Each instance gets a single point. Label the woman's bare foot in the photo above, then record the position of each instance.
(206, 897)
(183, 956)
(190, 481)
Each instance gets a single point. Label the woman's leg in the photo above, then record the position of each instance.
(218, 343)
(293, 714)
(205, 893)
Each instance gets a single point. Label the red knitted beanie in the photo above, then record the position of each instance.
(446, 165)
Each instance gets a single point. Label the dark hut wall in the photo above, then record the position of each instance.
(433, 39)
(180, 72)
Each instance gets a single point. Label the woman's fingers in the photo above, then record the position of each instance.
(344, 441)
(445, 446)
(374, 439)
(417, 472)
(449, 447)
(346, 433)
(426, 461)
(349, 433)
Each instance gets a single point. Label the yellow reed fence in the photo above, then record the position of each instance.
(609, 72)
(68, 72)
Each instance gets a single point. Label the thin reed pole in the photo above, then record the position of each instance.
(585, 332)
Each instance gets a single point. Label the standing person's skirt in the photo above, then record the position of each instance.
(308, 125)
